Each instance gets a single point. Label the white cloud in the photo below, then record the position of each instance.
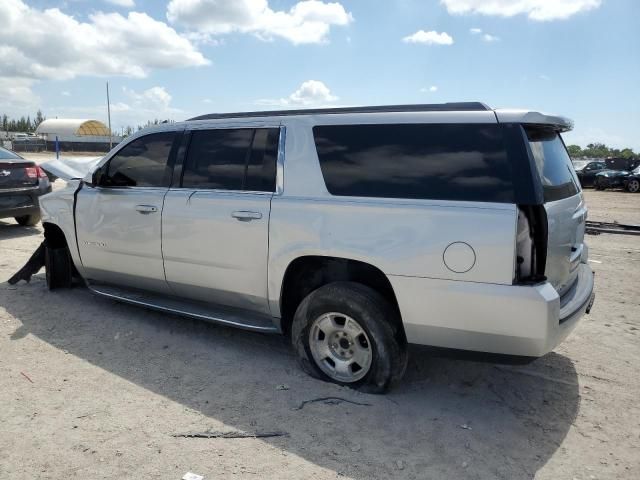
(487, 37)
(540, 10)
(544, 77)
(65, 93)
(310, 93)
(17, 97)
(122, 3)
(308, 21)
(432, 89)
(429, 38)
(58, 46)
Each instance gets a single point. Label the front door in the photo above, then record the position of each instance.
(119, 220)
(216, 221)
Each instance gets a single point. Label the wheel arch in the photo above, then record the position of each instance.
(307, 273)
(54, 235)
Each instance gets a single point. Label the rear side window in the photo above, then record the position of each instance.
(232, 159)
(552, 163)
(424, 161)
(142, 163)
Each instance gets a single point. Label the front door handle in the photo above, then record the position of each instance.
(146, 209)
(245, 216)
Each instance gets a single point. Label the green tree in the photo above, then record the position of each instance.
(574, 151)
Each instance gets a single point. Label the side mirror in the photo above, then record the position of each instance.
(92, 179)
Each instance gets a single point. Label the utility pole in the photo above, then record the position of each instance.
(109, 117)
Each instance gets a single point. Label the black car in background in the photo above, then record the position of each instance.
(631, 183)
(21, 183)
(618, 179)
(587, 171)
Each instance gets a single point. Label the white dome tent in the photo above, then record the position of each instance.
(76, 134)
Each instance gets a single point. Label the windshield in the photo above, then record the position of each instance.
(553, 164)
(580, 164)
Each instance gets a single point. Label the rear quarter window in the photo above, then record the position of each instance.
(553, 164)
(466, 162)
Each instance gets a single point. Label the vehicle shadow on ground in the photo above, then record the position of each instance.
(448, 418)
(9, 229)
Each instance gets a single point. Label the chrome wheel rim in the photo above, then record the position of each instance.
(634, 186)
(340, 347)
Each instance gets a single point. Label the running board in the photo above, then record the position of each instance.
(198, 310)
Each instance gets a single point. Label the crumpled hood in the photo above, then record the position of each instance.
(69, 168)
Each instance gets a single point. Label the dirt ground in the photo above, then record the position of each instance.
(91, 389)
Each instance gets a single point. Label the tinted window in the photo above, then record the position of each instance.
(142, 163)
(553, 164)
(261, 169)
(430, 161)
(232, 159)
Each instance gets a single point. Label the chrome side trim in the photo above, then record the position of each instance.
(185, 313)
(280, 161)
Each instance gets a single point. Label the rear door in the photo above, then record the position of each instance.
(119, 221)
(564, 204)
(216, 220)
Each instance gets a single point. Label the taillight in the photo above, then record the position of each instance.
(31, 172)
(41, 173)
(531, 244)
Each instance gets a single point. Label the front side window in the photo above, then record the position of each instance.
(465, 162)
(141, 163)
(232, 159)
(552, 163)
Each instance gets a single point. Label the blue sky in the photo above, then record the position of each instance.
(179, 58)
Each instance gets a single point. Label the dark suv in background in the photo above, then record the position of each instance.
(21, 183)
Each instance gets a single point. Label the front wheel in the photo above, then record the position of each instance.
(347, 333)
(633, 186)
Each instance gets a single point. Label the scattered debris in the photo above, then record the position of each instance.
(330, 401)
(231, 434)
(400, 464)
(356, 447)
(465, 426)
(33, 265)
(282, 387)
(26, 376)
(465, 464)
(596, 228)
(192, 476)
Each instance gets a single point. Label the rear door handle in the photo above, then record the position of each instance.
(245, 216)
(146, 209)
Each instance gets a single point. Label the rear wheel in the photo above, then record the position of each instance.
(58, 268)
(28, 220)
(633, 185)
(349, 334)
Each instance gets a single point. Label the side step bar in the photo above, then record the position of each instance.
(198, 310)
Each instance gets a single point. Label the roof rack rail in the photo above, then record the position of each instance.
(427, 107)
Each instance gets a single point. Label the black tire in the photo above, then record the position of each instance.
(28, 220)
(377, 318)
(58, 268)
(633, 186)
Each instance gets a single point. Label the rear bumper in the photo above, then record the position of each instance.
(17, 202)
(514, 320)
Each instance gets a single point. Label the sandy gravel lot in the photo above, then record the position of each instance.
(91, 388)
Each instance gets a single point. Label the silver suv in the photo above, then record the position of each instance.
(353, 231)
